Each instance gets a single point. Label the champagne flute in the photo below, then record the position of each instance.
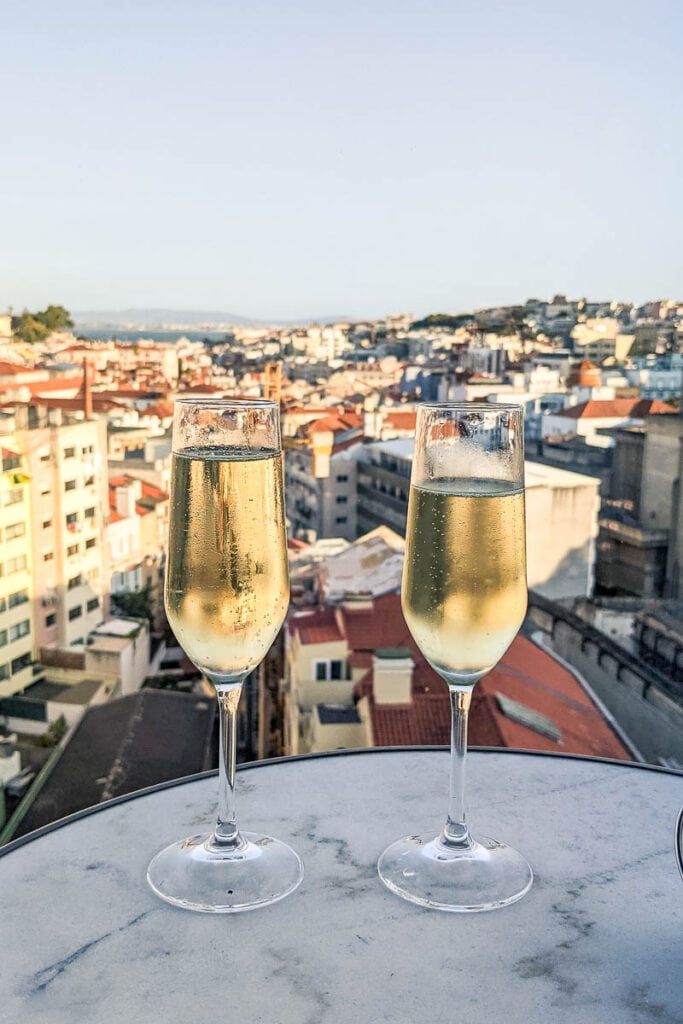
(464, 597)
(226, 595)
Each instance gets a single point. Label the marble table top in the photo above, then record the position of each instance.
(597, 939)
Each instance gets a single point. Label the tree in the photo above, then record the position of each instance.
(54, 734)
(34, 327)
(55, 318)
(137, 604)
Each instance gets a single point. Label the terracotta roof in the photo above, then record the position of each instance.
(40, 387)
(316, 627)
(150, 496)
(7, 368)
(584, 374)
(616, 408)
(76, 404)
(383, 627)
(296, 545)
(527, 674)
(335, 424)
(348, 442)
(164, 410)
(400, 420)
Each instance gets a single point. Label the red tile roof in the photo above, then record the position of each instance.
(335, 424)
(527, 674)
(149, 492)
(164, 410)
(616, 408)
(400, 420)
(296, 545)
(7, 368)
(316, 627)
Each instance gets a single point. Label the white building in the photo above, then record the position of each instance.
(561, 508)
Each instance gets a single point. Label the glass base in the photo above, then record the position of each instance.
(434, 873)
(197, 875)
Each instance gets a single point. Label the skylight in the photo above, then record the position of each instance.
(520, 713)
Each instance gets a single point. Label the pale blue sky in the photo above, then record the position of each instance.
(282, 159)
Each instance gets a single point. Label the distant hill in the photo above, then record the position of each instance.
(157, 318)
(160, 318)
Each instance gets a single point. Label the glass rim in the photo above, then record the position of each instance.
(229, 403)
(476, 404)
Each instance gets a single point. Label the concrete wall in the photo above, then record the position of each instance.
(628, 688)
(660, 470)
(561, 530)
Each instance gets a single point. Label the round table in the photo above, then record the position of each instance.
(597, 939)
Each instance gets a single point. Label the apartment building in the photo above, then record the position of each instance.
(17, 605)
(320, 477)
(66, 463)
(561, 511)
(137, 537)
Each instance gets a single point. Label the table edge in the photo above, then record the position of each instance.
(85, 812)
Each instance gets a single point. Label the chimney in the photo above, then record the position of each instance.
(392, 675)
(126, 497)
(87, 390)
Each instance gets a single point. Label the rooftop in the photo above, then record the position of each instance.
(136, 741)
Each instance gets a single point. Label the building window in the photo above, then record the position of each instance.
(15, 530)
(90, 513)
(45, 457)
(93, 603)
(13, 496)
(72, 521)
(3, 637)
(4, 671)
(45, 490)
(340, 520)
(342, 479)
(87, 450)
(74, 582)
(69, 453)
(19, 629)
(70, 485)
(10, 461)
(72, 550)
(75, 613)
(17, 564)
(50, 619)
(47, 523)
(342, 499)
(21, 663)
(48, 556)
(325, 670)
(90, 543)
(17, 598)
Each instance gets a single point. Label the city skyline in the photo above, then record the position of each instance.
(297, 163)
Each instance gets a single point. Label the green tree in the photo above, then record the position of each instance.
(55, 318)
(34, 327)
(54, 734)
(28, 329)
(137, 604)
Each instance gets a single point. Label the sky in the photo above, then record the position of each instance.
(301, 158)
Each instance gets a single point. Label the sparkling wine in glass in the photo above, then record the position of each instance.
(464, 597)
(226, 595)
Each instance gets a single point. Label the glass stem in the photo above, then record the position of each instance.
(456, 832)
(226, 833)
